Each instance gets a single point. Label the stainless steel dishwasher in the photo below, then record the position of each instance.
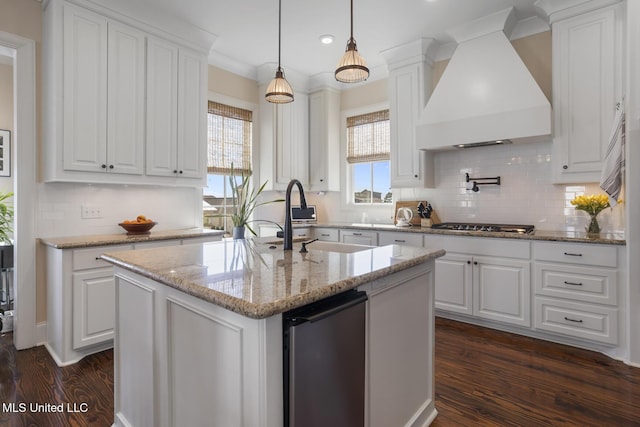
(324, 362)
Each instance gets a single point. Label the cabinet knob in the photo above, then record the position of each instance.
(415, 176)
(565, 167)
(321, 180)
(475, 262)
(175, 171)
(468, 262)
(180, 172)
(110, 166)
(103, 166)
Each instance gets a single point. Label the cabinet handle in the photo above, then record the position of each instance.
(103, 166)
(110, 166)
(565, 167)
(321, 180)
(175, 171)
(568, 319)
(180, 172)
(400, 241)
(415, 176)
(357, 234)
(475, 262)
(571, 283)
(570, 254)
(98, 258)
(468, 262)
(325, 235)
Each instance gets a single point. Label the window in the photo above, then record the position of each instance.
(368, 157)
(229, 146)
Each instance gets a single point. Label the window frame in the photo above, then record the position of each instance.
(346, 178)
(255, 154)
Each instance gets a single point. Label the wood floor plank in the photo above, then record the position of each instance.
(483, 378)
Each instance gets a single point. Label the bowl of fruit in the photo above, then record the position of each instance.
(140, 225)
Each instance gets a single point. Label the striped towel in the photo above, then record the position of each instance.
(613, 166)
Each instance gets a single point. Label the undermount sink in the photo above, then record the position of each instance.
(335, 247)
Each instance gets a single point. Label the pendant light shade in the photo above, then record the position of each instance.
(279, 90)
(352, 67)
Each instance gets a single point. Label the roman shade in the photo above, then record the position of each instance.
(229, 139)
(368, 137)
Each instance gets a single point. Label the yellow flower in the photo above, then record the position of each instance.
(593, 204)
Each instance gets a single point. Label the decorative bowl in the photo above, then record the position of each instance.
(134, 228)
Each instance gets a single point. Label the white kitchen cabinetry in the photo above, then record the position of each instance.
(326, 234)
(409, 86)
(103, 94)
(81, 298)
(369, 238)
(176, 106)
(484, 277)
(106, 116)
(399, 238)
(324, 140)
(576, 290)
(587, 76)
(284, 142)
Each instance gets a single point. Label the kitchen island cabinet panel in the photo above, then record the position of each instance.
(401, 238)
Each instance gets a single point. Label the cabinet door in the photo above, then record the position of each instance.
(453, 279)
(162, 107)
(292, 141)
(501, 290)
(192, 114)
(125, 119)
(85, 90)
(93, 307)
(324, 140)
(586, 67)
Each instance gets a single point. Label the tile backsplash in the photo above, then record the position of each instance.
(525, 196)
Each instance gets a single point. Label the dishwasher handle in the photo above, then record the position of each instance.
(315, 317)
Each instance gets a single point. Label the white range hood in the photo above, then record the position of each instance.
(486, 93)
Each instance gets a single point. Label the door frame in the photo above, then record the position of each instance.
(24, 155)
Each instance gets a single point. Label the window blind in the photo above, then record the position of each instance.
(368, 137)
(229, 139)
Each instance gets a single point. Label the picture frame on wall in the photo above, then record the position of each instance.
(5, 152)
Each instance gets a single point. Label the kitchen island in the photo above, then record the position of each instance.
(199, 330)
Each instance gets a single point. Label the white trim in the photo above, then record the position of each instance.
(24, 125)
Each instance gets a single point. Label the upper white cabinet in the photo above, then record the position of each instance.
(409, 82)
(284, 142)
(118, 108)
(103, 94)
(176, 107)
(587, 76)
(324, 140)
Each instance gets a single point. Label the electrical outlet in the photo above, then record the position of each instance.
(91, 211)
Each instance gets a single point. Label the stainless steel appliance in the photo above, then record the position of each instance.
(324, 362)
(497, 228)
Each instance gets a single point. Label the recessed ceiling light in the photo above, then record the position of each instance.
(326, 39)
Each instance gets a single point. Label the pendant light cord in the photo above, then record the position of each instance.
(279, 30)
(351, 19)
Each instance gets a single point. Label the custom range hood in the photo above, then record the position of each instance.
(486, 93)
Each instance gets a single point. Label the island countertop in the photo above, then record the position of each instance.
(259, 280)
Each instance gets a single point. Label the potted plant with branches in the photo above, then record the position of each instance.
(245, 199)
(6, 219)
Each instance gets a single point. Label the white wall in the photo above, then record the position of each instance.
(60, 204)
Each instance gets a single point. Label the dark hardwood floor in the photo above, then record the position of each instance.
(483, 378)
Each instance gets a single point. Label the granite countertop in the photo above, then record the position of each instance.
(117, 239)
(259, 280)
(556, 236)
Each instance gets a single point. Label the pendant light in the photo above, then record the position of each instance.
(279, 90)
(352, 68)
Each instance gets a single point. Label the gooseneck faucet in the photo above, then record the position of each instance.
(288, 232)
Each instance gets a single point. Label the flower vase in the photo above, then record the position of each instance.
(238, 232)
(593, 228)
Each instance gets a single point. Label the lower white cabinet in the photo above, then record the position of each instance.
(576, 290)
(495, 286)
(358, 237)
(81, 298)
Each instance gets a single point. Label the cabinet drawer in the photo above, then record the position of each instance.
(326, 234)
(575, 253)
(90, 257)
(598, 285)
(358, 237)
(402, 238)
(486, 246)
(157, 244)
(577, 320)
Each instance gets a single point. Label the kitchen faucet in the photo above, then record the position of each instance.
(288, 232)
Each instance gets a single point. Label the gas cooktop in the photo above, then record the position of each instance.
(496, 228)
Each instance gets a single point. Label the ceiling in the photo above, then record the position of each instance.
(246, 31)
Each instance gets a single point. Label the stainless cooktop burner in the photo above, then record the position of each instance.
(498, 228)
